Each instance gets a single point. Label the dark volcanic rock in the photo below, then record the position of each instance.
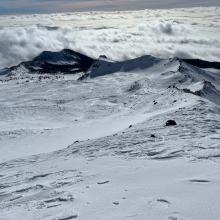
(155, 102)
(171, 123)
(202, 63)
(65, 61)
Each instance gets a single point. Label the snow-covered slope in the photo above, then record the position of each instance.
(99, 148)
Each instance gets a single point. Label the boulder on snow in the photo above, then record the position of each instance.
(103, 57)
(171, 123)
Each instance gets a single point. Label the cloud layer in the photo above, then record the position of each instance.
(45, 6)
(119, 35)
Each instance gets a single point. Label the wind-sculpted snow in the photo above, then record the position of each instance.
(99, 147)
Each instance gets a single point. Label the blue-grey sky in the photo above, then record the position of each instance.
(46, 6)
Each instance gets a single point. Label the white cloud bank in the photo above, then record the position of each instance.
(119, 35)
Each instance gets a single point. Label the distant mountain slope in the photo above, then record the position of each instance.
(65, 61)
(202, 63)
(180, 73)
(68, 61)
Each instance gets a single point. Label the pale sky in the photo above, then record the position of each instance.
(46, 6)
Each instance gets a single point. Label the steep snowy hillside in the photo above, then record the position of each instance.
(136, 139)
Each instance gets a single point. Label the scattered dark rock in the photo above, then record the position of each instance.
(163, 201)
(69, 217)
(103, 56)
(53, 206)
(171, 87)
(125, 151)
(199, 181)
(152, 136)
(134, 87)
(104, 182)
(39, 176)
(130, 126)
(15, 198)
(171, 123)
(188, 91)
(155, 102)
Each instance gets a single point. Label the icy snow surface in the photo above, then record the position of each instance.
(98, 148)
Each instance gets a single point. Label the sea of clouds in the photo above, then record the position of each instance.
(187, 33)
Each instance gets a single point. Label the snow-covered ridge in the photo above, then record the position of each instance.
(181, 73)
(206, 90)
(69, 61)
(100, 147)
(104, 66)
